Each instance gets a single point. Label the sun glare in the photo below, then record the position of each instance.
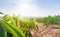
(25, 7)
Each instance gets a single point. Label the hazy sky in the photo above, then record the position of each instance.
(35, 8)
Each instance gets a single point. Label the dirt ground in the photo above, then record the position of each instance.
(46, 31)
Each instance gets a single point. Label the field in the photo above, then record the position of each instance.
(16, 26)
(46, 31)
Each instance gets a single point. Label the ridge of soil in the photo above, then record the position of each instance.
(46, 31)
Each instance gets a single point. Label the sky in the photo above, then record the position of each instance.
(30, 8)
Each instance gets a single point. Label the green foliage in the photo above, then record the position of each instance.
(49, 20)
(27, 24)
(12, 29)
(9, 19)
(1, 13)
(2, 31)
(16, 19)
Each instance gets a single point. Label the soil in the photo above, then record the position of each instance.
(46, 31)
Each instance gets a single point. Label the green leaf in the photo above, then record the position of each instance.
(2, 32)
(1, 13)
(12, 28)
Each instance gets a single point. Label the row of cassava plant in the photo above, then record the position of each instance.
(25, 24)
(8, 28)
(49, 20)
(20, 27)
